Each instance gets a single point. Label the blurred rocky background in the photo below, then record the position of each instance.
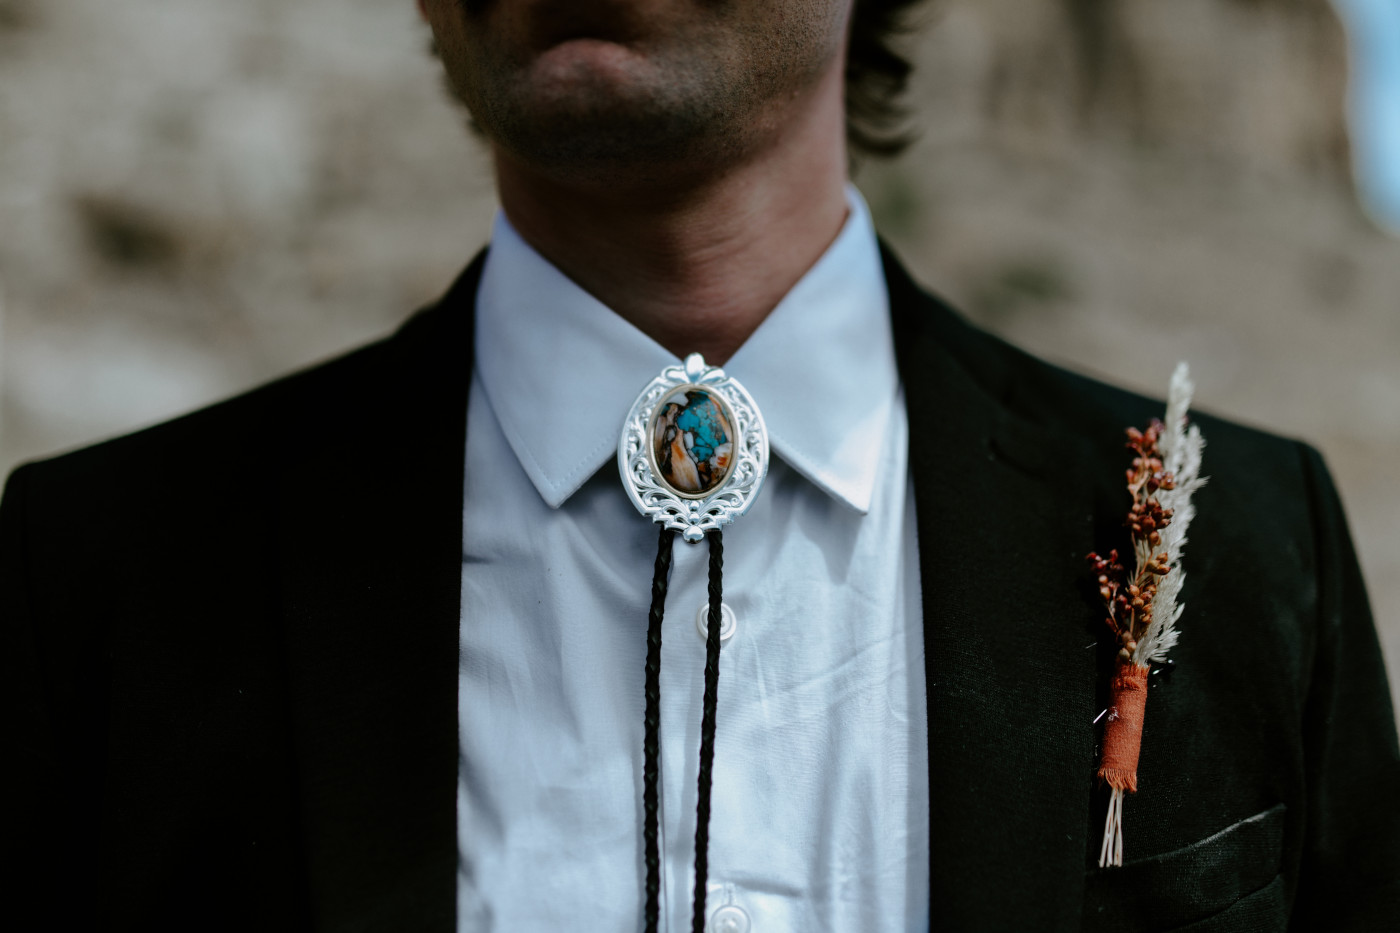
(197, 195)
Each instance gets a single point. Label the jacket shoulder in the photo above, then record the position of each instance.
(245, 434)
(229, 441)
(287, 415)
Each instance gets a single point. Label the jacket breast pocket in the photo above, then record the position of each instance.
(1228, 881)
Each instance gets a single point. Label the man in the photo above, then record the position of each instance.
(364, 649)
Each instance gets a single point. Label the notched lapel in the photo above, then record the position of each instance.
(1005, 518)
(370, 533)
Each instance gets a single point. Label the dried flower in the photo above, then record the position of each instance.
(1143, 606)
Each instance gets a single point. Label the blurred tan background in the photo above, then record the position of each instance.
(197, 195)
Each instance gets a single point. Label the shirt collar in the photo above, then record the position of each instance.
(561, 370)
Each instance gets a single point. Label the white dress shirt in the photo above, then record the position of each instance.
(820, 795)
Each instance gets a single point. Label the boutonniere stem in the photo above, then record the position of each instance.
(1144, 603)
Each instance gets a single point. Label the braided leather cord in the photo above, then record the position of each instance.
(651, 741)
(707, 731)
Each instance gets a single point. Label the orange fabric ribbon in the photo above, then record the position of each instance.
(1122, 734)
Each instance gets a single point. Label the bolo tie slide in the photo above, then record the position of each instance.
(693, 454)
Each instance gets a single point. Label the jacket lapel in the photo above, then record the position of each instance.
(1005, 519)
(370, 524)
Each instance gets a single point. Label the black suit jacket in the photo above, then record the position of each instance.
(231, 656)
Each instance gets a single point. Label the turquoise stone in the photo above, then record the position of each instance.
(692, 443)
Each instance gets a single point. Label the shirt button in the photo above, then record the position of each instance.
(729, 919)
(728, 622)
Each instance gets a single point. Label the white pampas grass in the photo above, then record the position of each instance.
(1181, 449)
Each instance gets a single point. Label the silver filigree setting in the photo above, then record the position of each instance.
(693, 515)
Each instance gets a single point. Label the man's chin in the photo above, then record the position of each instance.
(586, 103)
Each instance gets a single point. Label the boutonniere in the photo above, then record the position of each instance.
(1144, 603)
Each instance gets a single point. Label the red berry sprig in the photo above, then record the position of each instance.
(1128, 598)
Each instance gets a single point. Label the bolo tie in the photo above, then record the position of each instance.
(693, 453)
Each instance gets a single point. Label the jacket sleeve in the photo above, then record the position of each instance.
(30, 772)
(1350, 871)
(52, 773)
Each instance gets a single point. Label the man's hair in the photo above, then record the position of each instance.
(876, 75)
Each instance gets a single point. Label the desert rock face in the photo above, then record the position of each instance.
(198, 196)
(1256, 83)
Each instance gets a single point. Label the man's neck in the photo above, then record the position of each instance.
(698, 263)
